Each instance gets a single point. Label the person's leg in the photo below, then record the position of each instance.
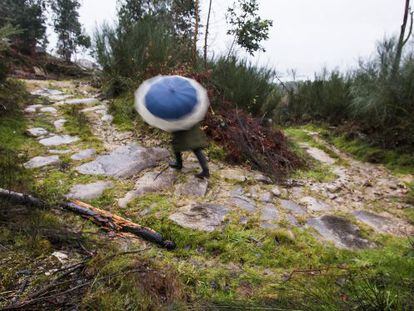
(178, 164)
(205, 173)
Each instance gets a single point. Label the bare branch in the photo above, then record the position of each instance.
(411, 28)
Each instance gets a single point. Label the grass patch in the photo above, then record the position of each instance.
(395, 161)
(77, 124)
(314, 170)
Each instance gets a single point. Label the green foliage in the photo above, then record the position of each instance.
(248, 29)
(370, 99)
(147, 49)
(28, 16)
(327, 97)
(382, 101)
(67, 26)
(246, 85)
(12, 135)
(176, 13)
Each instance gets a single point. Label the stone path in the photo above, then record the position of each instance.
(361, 196)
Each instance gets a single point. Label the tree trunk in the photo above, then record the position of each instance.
(196, 5)
(206, 36)
(401, 41)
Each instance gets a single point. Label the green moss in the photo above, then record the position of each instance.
(397, 162)
(122, 109)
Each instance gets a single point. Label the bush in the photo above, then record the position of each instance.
(382, 103)
(249, 87)
(325, 99)
(372, 99)
(127, 57)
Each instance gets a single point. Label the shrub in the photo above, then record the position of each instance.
(325, 99)
(249, 87)
(145, 50)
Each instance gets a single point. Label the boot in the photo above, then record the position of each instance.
(205, 173)
(178, 164)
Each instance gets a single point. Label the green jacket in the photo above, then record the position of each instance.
(191, 139)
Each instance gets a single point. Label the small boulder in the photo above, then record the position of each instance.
(204, 217)
(314, 205)
(276, 191)
(194, 187)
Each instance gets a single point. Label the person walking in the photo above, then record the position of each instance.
(193, 140)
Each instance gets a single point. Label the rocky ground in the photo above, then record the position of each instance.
(361, 193)
(117, 171)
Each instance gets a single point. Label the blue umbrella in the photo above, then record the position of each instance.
(171, 103)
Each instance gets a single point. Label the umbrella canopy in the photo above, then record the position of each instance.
(171, 103)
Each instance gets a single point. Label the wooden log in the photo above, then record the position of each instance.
(100, 217)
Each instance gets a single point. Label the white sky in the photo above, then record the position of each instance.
(307, 34)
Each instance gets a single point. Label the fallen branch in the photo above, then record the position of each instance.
(100, 217)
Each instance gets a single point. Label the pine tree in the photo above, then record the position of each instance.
(67, 26)
(28, 17)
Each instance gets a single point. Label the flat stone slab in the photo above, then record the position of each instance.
(37, 131)
(314, 205)
(107, 118)
(243, 203)
(80, 101)
(56, 151)
(59, 124)
(57, 98)
(58, 140)
(204, 217)
(84, 154)
(340, 231)
(269, 213)
(41, 161)
(32, 108)
(267, 197)
(89, 191)
(46, 92)
(95, 109)
(383, 224)
(292, 207)
(149, 183)
(319, 155)
(49, 110)
(194, 187)
(124, 161)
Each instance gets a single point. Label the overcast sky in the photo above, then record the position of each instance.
(307, 34)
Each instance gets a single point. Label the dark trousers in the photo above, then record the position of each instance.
(200, 157)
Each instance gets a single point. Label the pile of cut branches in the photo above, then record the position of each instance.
(244, 137)
(246, 140)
